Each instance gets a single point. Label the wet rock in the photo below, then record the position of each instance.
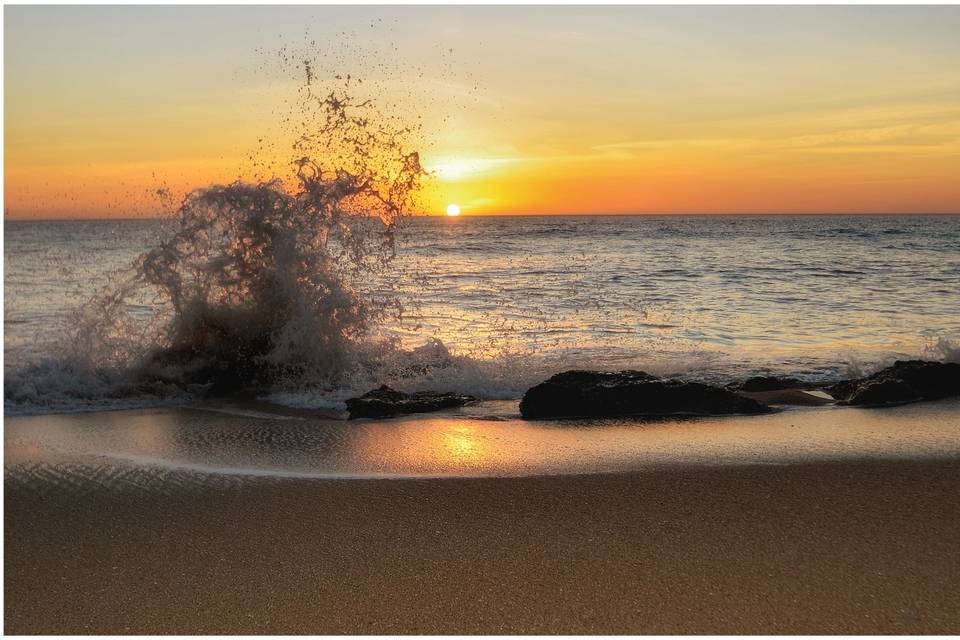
(227, 374)
(906, 381)
(629, 393)
(766, 383)
(386, 402)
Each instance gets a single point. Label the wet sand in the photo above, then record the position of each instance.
(826, 547)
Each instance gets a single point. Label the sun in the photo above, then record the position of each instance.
(453, 209)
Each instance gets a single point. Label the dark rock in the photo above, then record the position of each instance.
(227, 374)
(766, 383)
(906, 381)
(217, 358)
(842, 390)
(878, 392)
(386, 402)
(628, 393)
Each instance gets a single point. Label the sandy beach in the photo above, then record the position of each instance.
(829, 547)
(481, 319)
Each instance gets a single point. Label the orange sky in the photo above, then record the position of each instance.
(525, 110)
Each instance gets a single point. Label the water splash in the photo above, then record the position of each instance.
(259, 282)
(945, 349)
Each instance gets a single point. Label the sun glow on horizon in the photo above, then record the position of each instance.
(750, 131)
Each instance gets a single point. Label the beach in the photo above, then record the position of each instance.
(827, 547)
(481, 320)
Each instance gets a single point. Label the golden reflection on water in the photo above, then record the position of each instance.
(151, 433)
(464, 445)
(431, 445)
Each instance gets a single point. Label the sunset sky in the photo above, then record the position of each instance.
(525, 110)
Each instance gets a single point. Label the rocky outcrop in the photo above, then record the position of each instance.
(386, 402)
(597, 394)
(766, 383)
(906, 381)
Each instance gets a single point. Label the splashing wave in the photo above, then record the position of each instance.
(259, 284)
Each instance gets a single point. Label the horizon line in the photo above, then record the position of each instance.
(540, 215)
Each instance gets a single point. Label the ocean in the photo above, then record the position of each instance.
(503, 302)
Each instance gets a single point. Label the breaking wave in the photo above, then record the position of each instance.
(259, 285)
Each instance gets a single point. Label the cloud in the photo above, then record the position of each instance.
(936, 137)
(459, 168)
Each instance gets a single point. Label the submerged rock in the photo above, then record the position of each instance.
(223, 365)
(386, 402)
(906, 381)
(598, 394)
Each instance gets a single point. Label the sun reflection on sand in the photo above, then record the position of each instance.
(431, 446)
(457, 445)
(462, 444)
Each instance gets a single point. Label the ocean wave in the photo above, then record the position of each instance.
(256, 284)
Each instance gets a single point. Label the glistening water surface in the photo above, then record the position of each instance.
(163, 448)
(519, 298)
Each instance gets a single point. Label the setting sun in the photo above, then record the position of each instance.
(706, 250)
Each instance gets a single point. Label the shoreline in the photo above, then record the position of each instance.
(148, 448)
(20, 480)
(817, 547)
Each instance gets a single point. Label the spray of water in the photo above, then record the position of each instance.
(261, 283)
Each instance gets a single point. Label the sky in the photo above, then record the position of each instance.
(523, 110)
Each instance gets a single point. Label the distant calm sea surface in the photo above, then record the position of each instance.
(713, 296)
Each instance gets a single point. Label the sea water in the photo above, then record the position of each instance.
(506, 301)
